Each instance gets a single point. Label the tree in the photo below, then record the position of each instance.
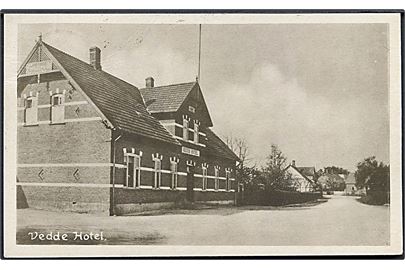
(274, 174)
(336, 170)
(379, 180)
(365, 169)
(375, 177)
(240, 147)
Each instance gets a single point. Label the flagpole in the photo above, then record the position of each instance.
(199, 55)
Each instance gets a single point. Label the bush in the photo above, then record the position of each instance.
(278, 197)
(375, 198)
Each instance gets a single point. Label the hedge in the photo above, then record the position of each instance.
(278, 197)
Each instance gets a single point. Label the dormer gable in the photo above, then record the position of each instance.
(173, 101)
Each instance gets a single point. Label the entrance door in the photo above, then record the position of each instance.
(190, 184)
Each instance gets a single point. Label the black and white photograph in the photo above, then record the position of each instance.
(202, 134)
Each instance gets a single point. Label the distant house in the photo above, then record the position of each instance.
(304, 177)
(350, 182)
(330, 181)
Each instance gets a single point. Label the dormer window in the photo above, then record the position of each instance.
(185, 129)
(196, 131)
(57, 109)
(31, 111)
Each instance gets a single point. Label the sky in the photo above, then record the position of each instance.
(318, 91)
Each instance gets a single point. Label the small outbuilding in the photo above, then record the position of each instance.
(350, 182)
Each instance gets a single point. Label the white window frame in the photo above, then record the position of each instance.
(32, 110)
(216, 175)
(191, 109)
(157, 169)
(60, 108)
(228, 179)
(196, 132)
(204, 177)
(174, 173)
(136, 174)
(185, 129)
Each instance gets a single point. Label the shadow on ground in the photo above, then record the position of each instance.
(223, 210)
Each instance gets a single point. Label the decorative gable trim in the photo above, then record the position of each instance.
(28, 58)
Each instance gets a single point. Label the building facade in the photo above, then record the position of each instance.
(91, 142)
(350, 181)
(303, 177)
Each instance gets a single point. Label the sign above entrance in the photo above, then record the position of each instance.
(190, 151)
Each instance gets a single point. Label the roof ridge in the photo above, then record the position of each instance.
(46, 44)
(174, 84)
(101, 70)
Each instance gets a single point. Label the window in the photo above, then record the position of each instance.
(28, 103)
(216, 178)
(204, 177)
(185, 129)
(58, 109)
(56, 100)
(31, 111)
(196, 132)
(173, 169)
(191, 109)
(133, 171)
(228, 182)
(158, 173)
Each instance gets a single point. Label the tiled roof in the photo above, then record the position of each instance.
(120, 102)
(166, 98)
(216, 147)
(299, 171)
(308, 171)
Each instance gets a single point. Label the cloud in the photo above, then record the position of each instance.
(164, 64)
(273, 108)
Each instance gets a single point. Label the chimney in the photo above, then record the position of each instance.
(95, 57)
(293, 163)
(150, 82)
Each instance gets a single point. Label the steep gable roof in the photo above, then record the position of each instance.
(119, 102)
(350, 179)
(166, 98)
(170, 98)
(308, 171)
(216, 147)
(299, 172)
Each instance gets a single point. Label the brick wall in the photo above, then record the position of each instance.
(148, 147)
(63, 166)
(71, 185)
